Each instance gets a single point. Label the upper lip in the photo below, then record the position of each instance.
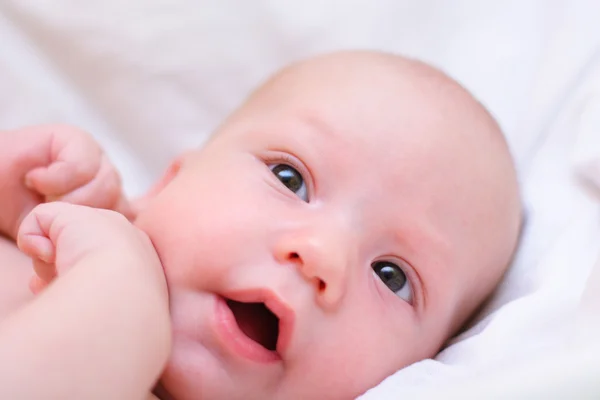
(276, 305)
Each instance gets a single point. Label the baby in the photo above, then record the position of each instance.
(342, 224)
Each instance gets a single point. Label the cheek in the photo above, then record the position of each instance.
(367, 342)
(200, 227)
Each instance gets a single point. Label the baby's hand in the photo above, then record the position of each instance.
(112, 299)
(77, 172)
(50, 163)
(58, 236)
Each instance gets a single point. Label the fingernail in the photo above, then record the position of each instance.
(44, 255)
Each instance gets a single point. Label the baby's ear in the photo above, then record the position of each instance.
(167, 177)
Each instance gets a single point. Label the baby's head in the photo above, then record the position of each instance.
(341, 225)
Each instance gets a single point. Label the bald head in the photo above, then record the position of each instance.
(384, 72)
(449, 151)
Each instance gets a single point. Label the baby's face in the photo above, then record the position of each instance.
(321, 241)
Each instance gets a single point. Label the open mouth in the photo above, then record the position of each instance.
(257, 322)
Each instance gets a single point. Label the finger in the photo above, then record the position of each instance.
(56, 179)
(33, 237)
(41, 228)
(45, 271)
(103, 191)
(75, 161)
(36, 285)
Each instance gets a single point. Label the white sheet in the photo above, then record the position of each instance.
(150, 78)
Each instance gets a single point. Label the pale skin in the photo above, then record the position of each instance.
(97, 320)
(394, 167)
(111, 295)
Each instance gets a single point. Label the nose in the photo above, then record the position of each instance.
(321, 257)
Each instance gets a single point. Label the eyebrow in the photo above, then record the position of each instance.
(314, 120)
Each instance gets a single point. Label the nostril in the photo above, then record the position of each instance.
(295, 258)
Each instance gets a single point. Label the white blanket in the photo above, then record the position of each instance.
(150, 78)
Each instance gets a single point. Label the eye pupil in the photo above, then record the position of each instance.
(289, 177)
(390, 274)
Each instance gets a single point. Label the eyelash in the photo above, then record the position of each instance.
(413, 278)
(286, 158)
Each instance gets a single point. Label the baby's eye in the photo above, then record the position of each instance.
(394, 278)
(291, 178)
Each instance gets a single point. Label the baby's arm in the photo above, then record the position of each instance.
(101, 329)
(53, 162)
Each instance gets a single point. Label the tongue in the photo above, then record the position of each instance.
(257, 322)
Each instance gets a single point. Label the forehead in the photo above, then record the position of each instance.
(377, 130)
(372, 109)
(386, 153)
(387, 134)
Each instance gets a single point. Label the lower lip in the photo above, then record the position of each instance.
(236, 340)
